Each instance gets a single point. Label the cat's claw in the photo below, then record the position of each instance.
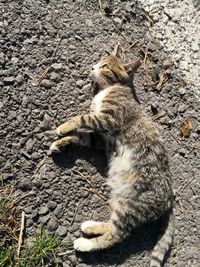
(83, 244)
(54, 147)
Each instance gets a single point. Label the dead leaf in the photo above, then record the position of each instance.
(162, 79)
(186, 128)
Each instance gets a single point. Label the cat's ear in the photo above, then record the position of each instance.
(117, 51)
(133, 65)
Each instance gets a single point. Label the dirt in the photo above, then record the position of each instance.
(47, 49)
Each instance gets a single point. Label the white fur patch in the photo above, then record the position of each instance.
(58, 131)
(87, 224)
(96, 70)
(119, 165)
(97, 101)
(83, 244)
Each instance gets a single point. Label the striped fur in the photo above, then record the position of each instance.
(138, 169)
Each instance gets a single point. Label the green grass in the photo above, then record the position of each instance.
(6, 256)
(36, 251)
(39, 249)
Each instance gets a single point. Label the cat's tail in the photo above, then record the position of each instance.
(164, 243)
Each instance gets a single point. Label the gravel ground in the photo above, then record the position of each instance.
(60, 40)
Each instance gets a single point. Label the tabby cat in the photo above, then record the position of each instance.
(138, 170)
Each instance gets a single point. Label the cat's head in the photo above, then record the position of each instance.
(112, 70)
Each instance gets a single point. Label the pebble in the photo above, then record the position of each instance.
(59, 211)
(80, 83)
(9, 80)
(46, 83)
(57, 66)
(2, 58)
(43, 210)
(19, 79)
(44, 219)
(182, 90)
(117, 21)
(25, 184)
(182, 151)
(51, 205)
(28, 210)
(52, 225)
(62, 231)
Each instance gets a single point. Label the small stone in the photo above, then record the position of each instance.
(55, 76)
(25, 184)
(28, 210)
(57, 66)
(51, 205)
(43, 210)
(52, 225)
(14, 60)
(2, 58)
(181, 108)
(19, 79)
(78, 37)
(35, 155)
(167, 63)
(44, 219)
(117, 21)
(80, 83)
(195, 47)
(29, 145)
(182, 151)
(46, 83)
(37, 183)
(59, 211)
(181, 91)
(89, 22)
(9, 80)
(62, 231)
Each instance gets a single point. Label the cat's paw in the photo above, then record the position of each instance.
(83, 244)
(54, 147)
(88, 227)
(58, 131)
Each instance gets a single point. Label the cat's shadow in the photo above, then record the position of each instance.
(142, 239)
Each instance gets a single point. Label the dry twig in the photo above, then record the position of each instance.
(40, 164)
(186, 184)
(20, 241)
(75, 213)
(174, 137)
(83, 177)
(43, 75)
(159, 115)
(94, 191)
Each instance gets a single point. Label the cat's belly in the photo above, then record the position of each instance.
(121, 174)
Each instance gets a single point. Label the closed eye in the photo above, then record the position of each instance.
(104, 65)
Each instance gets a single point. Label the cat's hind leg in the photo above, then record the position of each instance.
(63, 142)
(95, 228)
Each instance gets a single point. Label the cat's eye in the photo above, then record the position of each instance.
(104, 65)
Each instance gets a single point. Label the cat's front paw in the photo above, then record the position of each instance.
(89, 227)
(54, 147)
(58, 131)
(83, 244)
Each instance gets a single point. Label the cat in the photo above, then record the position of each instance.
(138, 169)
